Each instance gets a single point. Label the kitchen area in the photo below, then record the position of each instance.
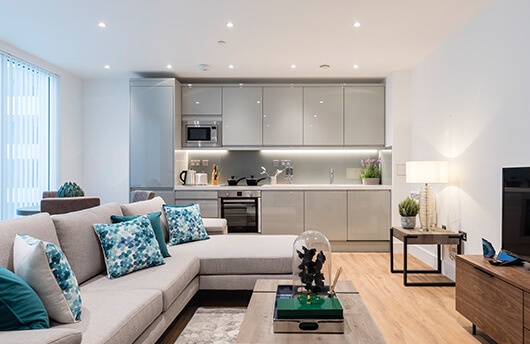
(269, 158)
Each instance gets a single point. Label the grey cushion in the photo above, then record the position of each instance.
(146, 207)
(39, 226)
(215, 226)
(170, 278)
(80, 243)
(116, 316)
(47, 336)
(240, 254)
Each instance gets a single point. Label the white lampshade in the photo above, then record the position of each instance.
(427, 172)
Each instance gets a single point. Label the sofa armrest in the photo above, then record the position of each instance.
(215, 226)
(45, 336)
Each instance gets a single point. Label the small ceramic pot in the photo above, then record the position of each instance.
(371, 181)
(408, 222)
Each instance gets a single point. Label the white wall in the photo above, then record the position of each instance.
(470, 105)
(69, 147)
(106, 139)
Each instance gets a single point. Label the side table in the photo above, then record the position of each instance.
(437, 237)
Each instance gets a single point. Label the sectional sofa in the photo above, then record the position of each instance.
(139, 307)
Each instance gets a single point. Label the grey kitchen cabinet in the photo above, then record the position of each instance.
(323, 116)
(364, 115)
(207, 200)
(282, 212)
(327, 213)
(368, 214)
(282, 116)
(201, 100)
(242, 116)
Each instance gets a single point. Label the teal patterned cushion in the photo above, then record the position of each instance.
(154, 218)
(129, 246)
(45, 268)
(185, 224)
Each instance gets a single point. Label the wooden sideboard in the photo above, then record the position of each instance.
(495, 299)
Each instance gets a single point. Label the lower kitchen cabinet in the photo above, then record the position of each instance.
(326, 212)
(368, 215)
(209, 208)
(282, 212)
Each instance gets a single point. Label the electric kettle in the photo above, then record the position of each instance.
(189, 177)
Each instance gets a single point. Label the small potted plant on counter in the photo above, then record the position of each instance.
(371, 172)
(408, 209)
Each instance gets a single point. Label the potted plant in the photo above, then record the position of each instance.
(70, 189)
(371, 172)
(408, 209)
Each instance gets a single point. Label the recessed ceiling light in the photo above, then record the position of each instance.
(221, 42)
(240, 84)
(325, 66)
(293, 66)
(231, 66)
(204, 67)
(356, 24)
(102, 24)
(169, 66)
(230, 24)
(107, 67)
(355, 66)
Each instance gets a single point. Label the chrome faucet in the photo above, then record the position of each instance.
(331, 174)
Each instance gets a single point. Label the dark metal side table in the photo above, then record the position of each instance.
(437, 237)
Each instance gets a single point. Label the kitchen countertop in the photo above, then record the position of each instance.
(277, 187)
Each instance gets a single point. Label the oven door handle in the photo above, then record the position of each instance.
(231, 200)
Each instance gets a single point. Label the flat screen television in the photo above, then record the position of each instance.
(516, 211)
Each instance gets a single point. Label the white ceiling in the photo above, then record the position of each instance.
(268, 36)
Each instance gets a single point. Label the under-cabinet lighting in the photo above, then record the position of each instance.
(319, 151)
(209, 151)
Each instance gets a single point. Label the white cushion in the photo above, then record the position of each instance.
(215, 226)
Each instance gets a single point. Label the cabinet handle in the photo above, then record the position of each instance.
(483, 272)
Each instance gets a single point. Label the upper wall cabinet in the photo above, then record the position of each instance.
(201, 100)
(364, 115)
(282, 116)
(323, 116)
(242, 116)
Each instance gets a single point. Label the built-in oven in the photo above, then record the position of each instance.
(201, 133)
(242, 210)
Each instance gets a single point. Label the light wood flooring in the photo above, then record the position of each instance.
(423, 315)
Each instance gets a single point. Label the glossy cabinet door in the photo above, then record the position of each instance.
(282, 116)
(209, 208)
(242, 116)
(327, 213)
(323, 116)
(201, 100)
(364, 115)
(282, 212)
(368, 215)
(151, 136)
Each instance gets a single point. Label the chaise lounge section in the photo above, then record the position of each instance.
(139, 307)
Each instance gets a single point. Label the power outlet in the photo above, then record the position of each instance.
(195, 162)
(464, 235)
(205, 163)
(286, 163)
(275, 163)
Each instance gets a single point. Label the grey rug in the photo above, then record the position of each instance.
(212, 326)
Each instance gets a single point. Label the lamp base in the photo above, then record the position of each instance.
(427, 208)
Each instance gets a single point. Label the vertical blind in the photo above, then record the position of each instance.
(27, 107)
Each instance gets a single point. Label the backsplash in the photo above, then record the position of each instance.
(310, 167)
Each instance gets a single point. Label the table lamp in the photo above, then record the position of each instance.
(428, 172)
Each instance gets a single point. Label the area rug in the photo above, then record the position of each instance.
(212, 326)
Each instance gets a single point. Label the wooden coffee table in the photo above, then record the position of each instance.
(359, 327)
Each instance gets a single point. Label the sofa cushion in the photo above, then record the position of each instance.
(47, 336)
(39, 226)
(146, 207)
(240, 254)
(129, 246)
(215, 226)
(116, 316)
(170, 279)
(185, 223)
(45, 268)
(80, 243)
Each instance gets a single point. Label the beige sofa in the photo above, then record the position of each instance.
(138, 308)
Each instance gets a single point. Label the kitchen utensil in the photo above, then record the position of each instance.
(264, 171)
(273, 180)
(254, 181)
(201, 179)
(233, 182)
(189, 177)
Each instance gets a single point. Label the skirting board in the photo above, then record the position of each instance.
(360, 246)
(429, 258)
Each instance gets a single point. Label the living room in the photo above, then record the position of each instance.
(452, 76)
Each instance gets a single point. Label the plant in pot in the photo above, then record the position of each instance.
(371, 171)
(408, 209)
(70, 189)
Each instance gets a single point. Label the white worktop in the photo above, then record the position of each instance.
(302, 187)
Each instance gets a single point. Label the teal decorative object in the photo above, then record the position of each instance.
(70, 189)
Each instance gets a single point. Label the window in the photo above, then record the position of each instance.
(28, 98)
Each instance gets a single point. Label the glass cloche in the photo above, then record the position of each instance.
(311, 264)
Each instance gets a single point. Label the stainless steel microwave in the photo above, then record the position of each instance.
(201, 133)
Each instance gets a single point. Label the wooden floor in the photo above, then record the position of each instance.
(403, 314)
